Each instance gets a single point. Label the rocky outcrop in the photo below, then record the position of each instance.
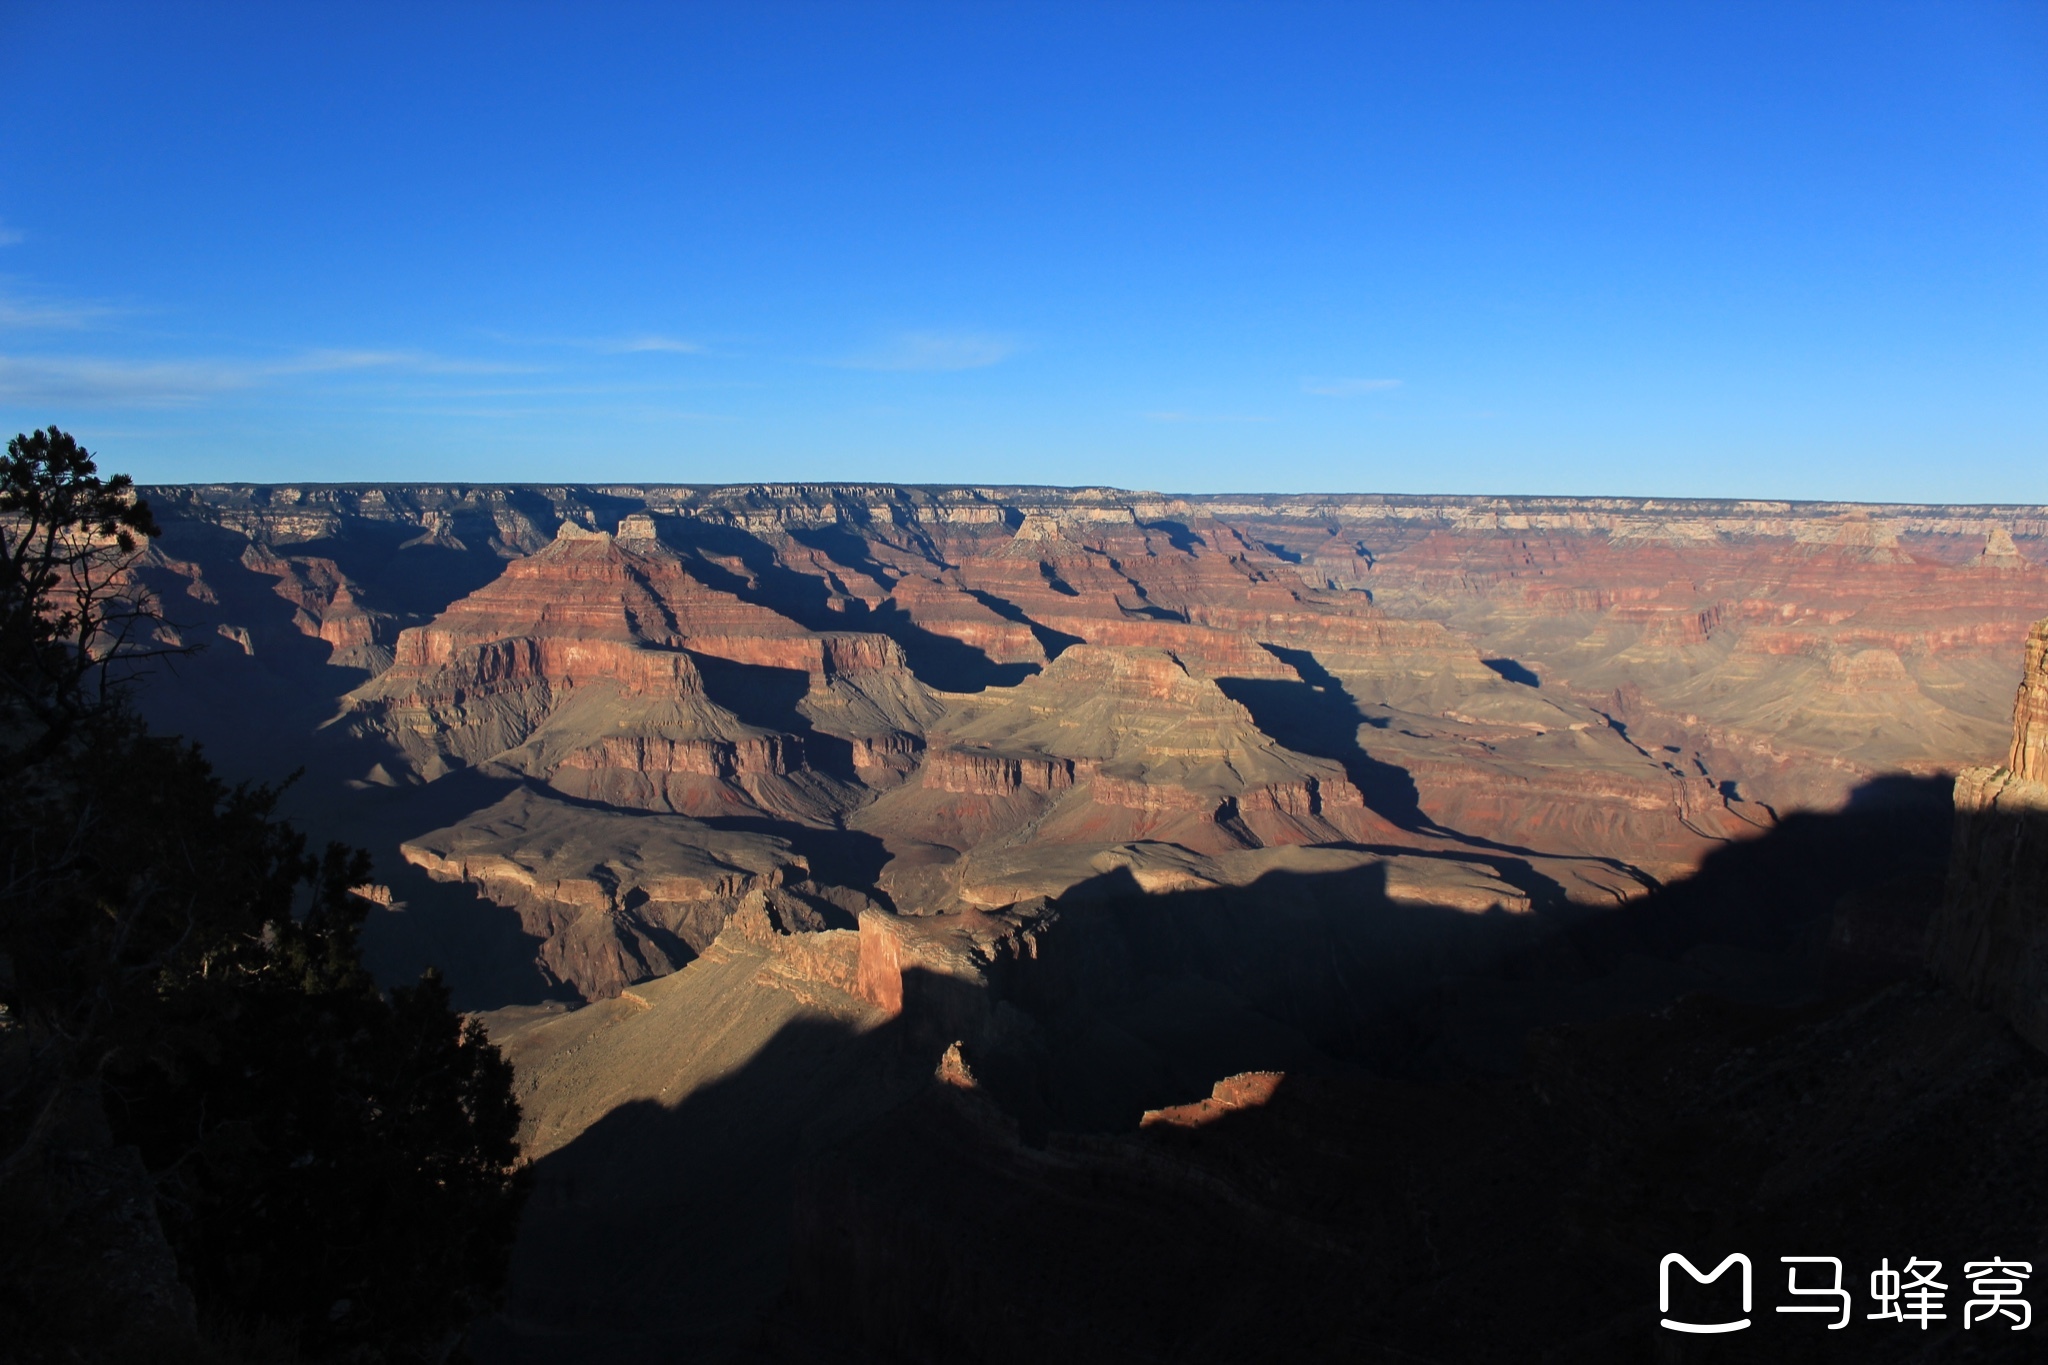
(1999, 552)
(1990, 941)
(1247, 1090)
(2028, 758)
(966, 772)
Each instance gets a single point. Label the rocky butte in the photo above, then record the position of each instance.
(884, 891)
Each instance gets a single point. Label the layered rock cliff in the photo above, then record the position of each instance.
(953, 699)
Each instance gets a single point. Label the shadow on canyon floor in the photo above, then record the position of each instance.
(770, 698)
(408, 574)
(1820, 903)
(668, 1227)
(936, 660)
(1514, 671)
(1329, 963)
(665, 1229)
(940, 661)
(1349, 1217)
(483, 950)
(1053, 642)
(1319, 716)
(275, 680)
(1762, 894)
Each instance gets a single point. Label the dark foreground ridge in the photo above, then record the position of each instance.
(1758, 1063)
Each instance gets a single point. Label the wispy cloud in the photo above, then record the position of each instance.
(10, 236)
(23, 315)
(1347, 388)
(651, 342)
(121, 382)
(521, 412)
(335, 361)
(935, 351)
(632, 343)
(332, 361)
(1204, 417)
(116, 383)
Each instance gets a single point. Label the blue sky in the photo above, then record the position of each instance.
(1781, 250)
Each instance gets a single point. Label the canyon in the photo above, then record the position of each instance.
(882, 891)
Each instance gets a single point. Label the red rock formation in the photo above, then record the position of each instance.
(979, 773)
(578, 666)
(2028, 758)
(1247, 1090)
